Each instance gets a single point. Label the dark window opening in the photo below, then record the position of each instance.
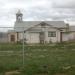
(51, 34)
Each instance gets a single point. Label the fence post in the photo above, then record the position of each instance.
(23, 49)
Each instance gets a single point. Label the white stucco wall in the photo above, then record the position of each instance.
(32, 37)
(68, 36)
(9, 36)
(65, 36)
(20, 36)
(53, 39)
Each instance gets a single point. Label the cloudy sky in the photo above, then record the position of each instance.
(37, 10)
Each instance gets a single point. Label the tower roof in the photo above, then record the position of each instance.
(19, 12)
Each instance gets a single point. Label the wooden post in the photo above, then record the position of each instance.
(60, 36)
(17, 37)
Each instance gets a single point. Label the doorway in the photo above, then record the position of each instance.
(12, 38)
(42, 37)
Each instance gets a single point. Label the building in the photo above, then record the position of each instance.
(40, 31)
(3, 37)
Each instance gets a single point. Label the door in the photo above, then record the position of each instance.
(12, 38)
(42, 37)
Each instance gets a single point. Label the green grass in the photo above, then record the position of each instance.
(39, 59)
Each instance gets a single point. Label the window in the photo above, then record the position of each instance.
(51, 34)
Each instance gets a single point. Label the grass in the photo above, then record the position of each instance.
(48, 59)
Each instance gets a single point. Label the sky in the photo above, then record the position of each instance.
(34, 10)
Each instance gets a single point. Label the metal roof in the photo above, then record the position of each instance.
(24, 25)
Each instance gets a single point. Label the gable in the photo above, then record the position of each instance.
(40, 27)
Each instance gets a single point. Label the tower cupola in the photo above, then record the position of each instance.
(19, 16)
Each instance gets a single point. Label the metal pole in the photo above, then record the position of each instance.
(23, 48)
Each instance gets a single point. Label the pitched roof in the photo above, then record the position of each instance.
(27, 24)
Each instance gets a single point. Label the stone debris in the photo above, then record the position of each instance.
(66, 67)
(12, 73)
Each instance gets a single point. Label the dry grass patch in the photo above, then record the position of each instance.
(12, 73)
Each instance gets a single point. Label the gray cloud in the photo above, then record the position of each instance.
(63, 3)
(37, 10)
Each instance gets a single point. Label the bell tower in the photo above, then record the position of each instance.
(19, 16)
